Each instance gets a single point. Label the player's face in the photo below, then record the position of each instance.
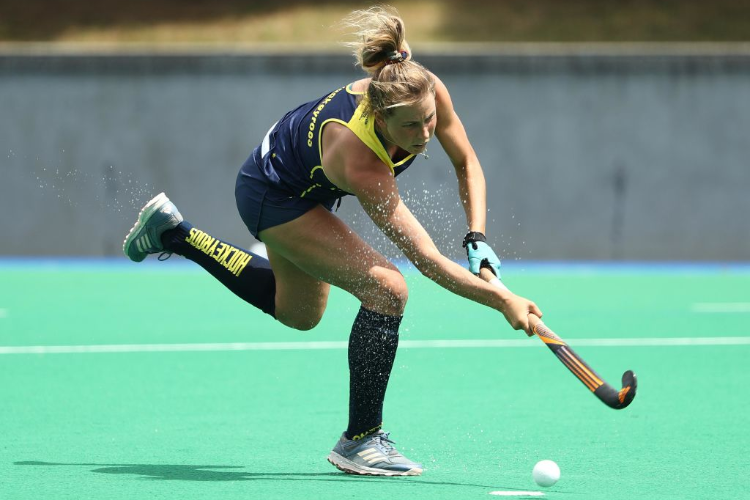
(411, 127)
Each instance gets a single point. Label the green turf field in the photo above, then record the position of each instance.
(258, 423)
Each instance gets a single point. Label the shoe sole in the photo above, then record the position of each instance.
(350, 467)
(146, 212)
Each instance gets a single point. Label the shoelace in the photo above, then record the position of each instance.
(384, 442)
(168, 255)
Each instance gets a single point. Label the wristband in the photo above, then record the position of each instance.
(472, 237)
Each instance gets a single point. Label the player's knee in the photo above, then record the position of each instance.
(303, 324)
(391, 294)
(301, 317)
(300, 322)
(399, 292)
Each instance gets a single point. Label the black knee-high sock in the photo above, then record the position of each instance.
(372, 349)
(248, 275)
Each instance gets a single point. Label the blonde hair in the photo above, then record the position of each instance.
(380, 48)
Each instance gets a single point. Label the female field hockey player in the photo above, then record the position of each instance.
(352, 141)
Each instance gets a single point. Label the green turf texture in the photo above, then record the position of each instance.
(259, 424)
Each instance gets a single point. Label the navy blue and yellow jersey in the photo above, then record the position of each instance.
(290, 156)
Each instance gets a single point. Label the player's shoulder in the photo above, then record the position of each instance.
(360, 86)
(442, 96)
(439, 85)
(347, 155)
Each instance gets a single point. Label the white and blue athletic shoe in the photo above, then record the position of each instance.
(157, 216)
(373, 455)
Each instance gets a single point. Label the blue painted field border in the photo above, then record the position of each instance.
(95, 264)
(608, 268)
(511, 268)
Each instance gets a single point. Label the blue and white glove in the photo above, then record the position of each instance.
(480, 254)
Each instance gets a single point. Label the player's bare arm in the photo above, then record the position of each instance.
(454, 140)
(377, 192)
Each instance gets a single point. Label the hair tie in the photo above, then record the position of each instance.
(396, 57)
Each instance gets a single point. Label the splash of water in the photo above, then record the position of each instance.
(116, 191)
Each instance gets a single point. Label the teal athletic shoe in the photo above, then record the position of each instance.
(157, 216)
(372, 455)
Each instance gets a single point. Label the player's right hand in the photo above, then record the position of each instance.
(516, 311)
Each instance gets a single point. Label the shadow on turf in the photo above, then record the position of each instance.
(203, 473)
(183, 472)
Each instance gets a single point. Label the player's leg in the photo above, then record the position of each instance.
(313, 249)
(247, 275)
(324, 247)
(300, 298)
(161, 228)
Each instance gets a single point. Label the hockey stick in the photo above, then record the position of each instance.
(601, 389)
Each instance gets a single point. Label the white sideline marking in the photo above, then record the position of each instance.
(407, 344)
(722, 307)
(517, 493)
(3, 313)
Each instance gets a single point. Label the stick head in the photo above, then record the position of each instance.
(618, 399)
(627, 393)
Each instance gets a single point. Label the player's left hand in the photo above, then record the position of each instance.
(480, 254)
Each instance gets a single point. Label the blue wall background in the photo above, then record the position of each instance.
(597, 153)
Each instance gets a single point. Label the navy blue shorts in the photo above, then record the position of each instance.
(262, 204)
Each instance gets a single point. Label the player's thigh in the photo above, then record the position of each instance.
(327, 249)
(300, 298)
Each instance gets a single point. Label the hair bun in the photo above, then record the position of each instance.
(396, 57)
